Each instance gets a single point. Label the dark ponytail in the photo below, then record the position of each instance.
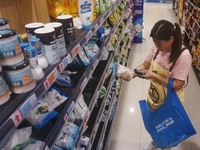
(163, 30)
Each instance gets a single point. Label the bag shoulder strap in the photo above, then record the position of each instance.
(170, 69)
(174, 64)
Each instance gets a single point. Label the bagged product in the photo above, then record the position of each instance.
(40, 115)
(119, 70)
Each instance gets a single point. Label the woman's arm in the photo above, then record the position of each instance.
(144, 66)
(178, 84)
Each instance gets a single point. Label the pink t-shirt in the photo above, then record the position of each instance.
(181, 68)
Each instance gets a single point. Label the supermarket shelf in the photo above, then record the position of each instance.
(98, 118)
(101, 137)
(104, 124)
(197, 73)
(14, 112)
(102, 80)
(78, 89)
(94, 98)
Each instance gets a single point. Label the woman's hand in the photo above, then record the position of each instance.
(148, 75)
(126, 76)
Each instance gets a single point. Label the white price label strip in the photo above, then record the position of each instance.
(65, 61)
(84, 83)
(95, 63)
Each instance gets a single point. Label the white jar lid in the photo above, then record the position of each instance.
(53, 24)
(34, 25)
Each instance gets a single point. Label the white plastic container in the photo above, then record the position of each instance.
(85, 13)
(49, 44)
(68, 28)
(4, 91)
(30, 53)
(19, 77)
(10, 50)
(59, 36)
(31, 27)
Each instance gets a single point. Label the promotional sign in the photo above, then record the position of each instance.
(138, 21)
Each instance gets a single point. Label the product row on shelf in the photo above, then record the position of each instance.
(188, 12)
(74, 98)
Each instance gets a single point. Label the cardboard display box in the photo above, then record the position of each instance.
(21, 12)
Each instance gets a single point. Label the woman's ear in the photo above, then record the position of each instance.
(171, 39)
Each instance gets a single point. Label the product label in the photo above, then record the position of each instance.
(86, 15)
(9, 49)
(3, 86)
(71, 34)
(37, 44)
(20, 78)
(52, 53)
(61, 45)
(30, 53)
(30, 37)
(85, 8)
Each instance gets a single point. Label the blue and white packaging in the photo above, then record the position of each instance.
(138, 21)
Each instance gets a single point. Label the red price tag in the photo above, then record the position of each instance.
(88, 35)
(66, 117)
(74, 52)
(51, 79)
(46, 85)
(61, 66)
(17, 118)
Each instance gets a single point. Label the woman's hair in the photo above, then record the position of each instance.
(163, 30)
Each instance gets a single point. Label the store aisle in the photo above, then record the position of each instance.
(128, 132)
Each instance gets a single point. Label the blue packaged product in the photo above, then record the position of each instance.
(40, 115)
(35, 42)
(24, 45)
(65, 141)
(30, 52)
(71, 129)
(91, 50)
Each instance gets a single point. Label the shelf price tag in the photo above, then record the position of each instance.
(28, 105)
(17, 118)
(85, 81)
(66, 117)
(86, 119)
(95, 63)
(101, 21)
(71, 108)
(103, 50)
(50, 79)
(64, 63)
(69, 59)
(88, 35)
(75, 50)
(96, 27)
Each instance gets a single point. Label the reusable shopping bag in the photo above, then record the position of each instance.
(168, 125)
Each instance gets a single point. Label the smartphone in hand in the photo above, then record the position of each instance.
(139, 72)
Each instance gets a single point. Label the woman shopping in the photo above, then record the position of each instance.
(168, 58)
